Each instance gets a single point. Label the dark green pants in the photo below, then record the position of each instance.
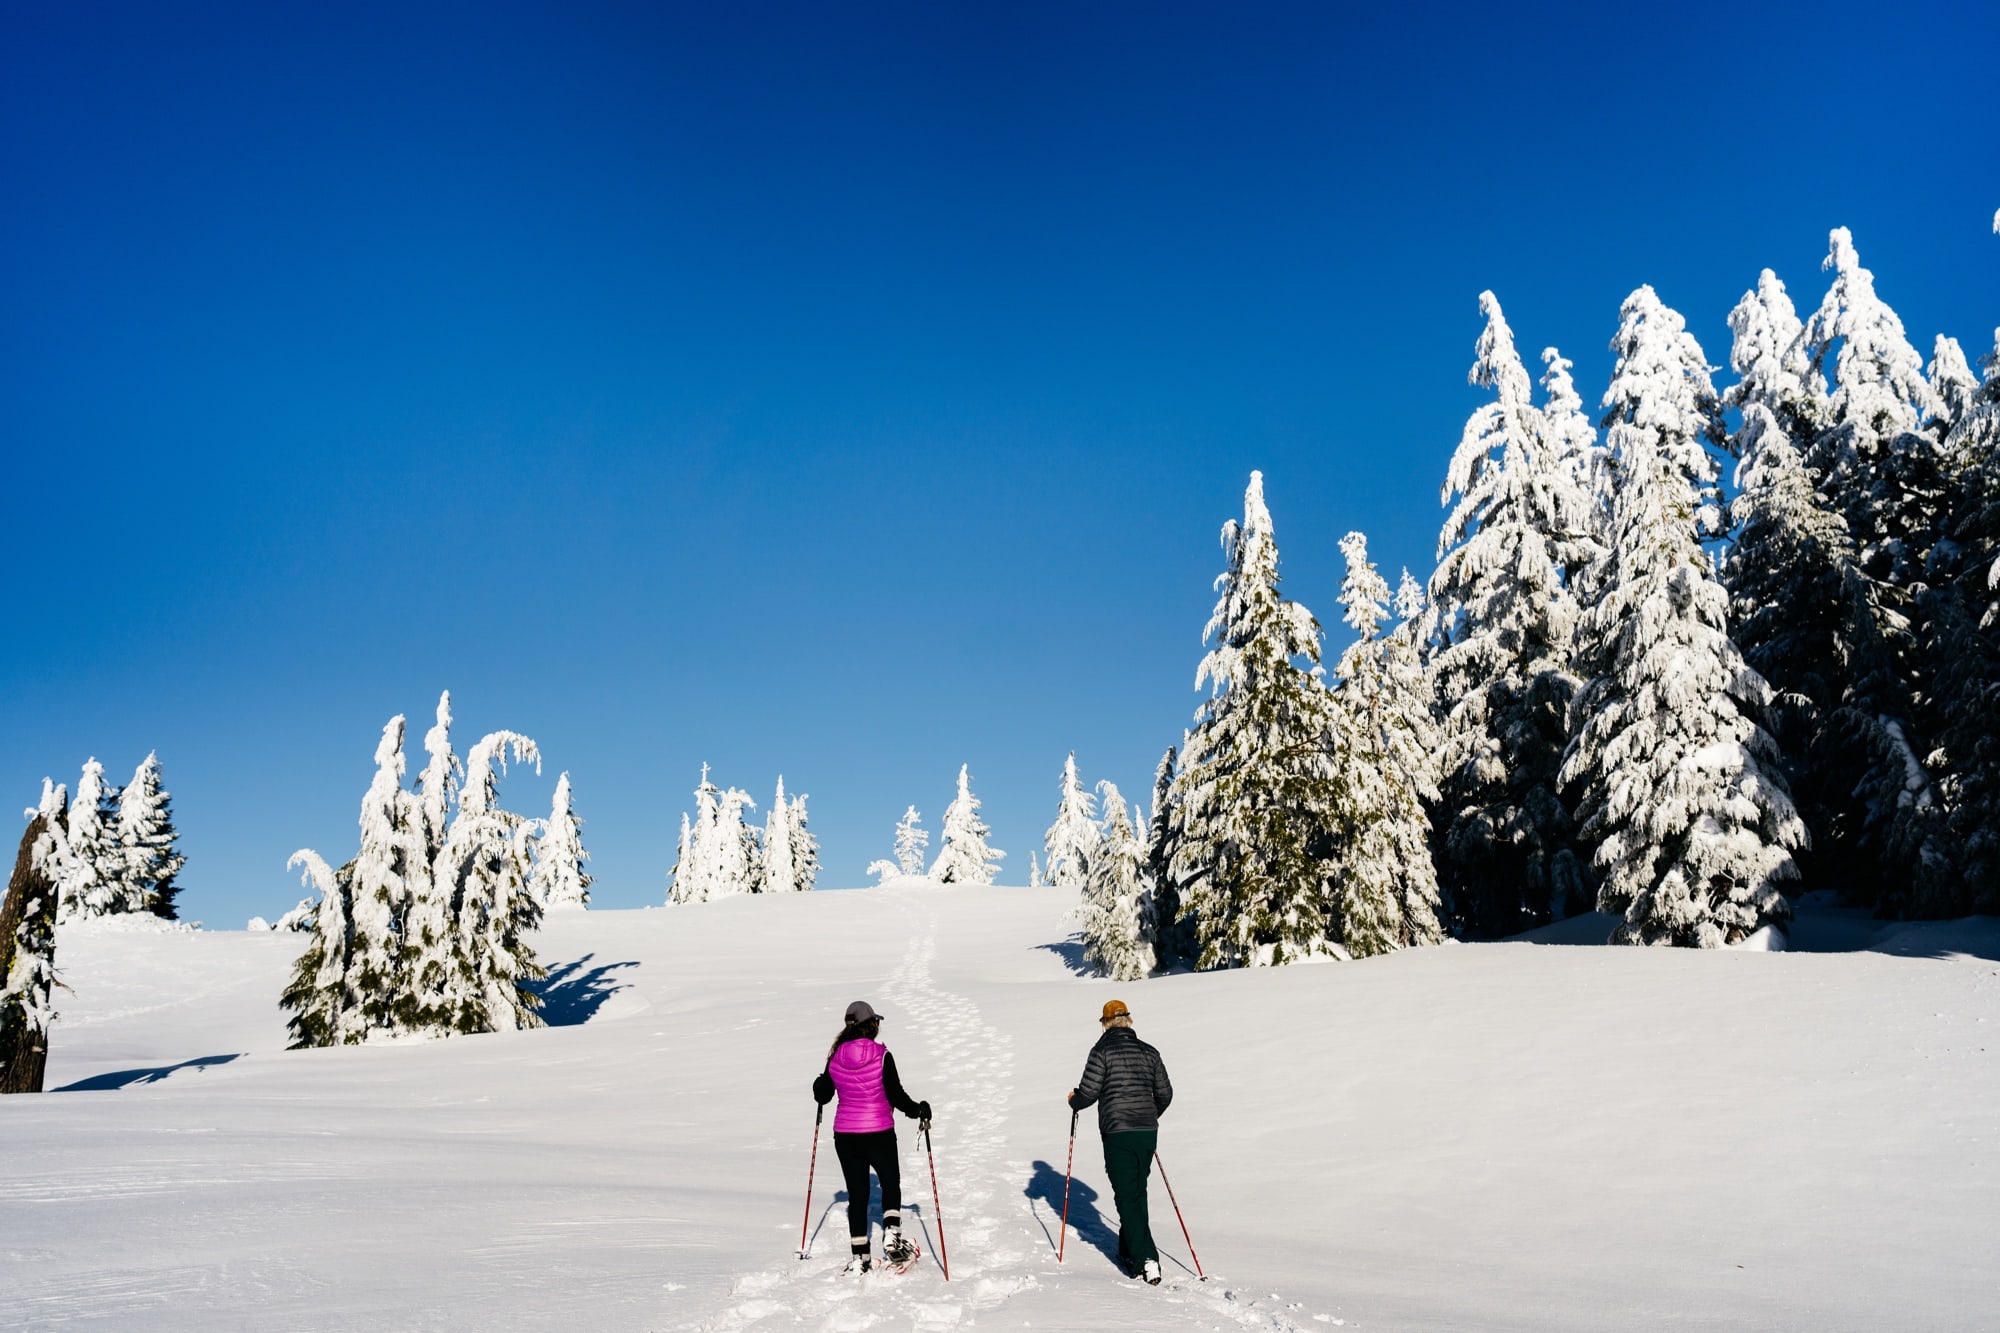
(1128, 1160)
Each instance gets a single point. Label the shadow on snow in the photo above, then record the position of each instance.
(572, 993)
(1046, 1186)
(125, 1078)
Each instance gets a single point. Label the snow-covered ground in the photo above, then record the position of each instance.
(1466, 1137)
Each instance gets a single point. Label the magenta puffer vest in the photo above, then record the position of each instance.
(856, 1070)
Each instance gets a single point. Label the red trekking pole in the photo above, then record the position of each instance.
(1177, 1215)
(810, 1170)
(1068, 1167)
(944, 1255)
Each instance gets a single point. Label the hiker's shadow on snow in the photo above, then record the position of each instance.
(125, 1078)
(1046, 1186)
(1071, 953)
(572, 993)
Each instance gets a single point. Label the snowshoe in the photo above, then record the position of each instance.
(859, 1266)
(898, 1254)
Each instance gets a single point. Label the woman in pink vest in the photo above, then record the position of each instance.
(863, 1073)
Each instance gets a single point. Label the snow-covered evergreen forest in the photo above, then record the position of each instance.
(1712, 647)
(112, 850)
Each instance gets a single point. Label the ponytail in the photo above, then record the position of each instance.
(866, 1028)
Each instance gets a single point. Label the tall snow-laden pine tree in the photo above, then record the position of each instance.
(1502, 657)
(432, 967)
(560, 882)
(28, 959)
(1072, 840)
(911, 840)
(1116, 910)
(1173, 935)
(1386, 738)
(1869, 457)
(776, 873)
(963, 855)
(1774, 367)
(1257, 793)
(739, 854)
(1681, 793)
(146, 838)
(694, 873)
(805, 849)
(379, 900)
(326, 1010)
(1963, 641)
(488, 850)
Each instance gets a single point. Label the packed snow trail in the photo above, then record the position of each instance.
(997, 1244)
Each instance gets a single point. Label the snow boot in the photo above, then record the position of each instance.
(859, 1266)
(1151, 1272)
(897, 1253)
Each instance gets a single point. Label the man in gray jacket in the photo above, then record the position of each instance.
(1128, 1082)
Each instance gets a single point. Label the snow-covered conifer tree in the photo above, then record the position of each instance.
(325, 1008)
(1773, 366)
(379, 899)
(777, 848)
(1869, 457)
(90, 869)
(1072, 840)
(911, 840)
(1173, 935)
(1502, 658)
(1681, 792)
(1257, 793)
(146, 840)
(883, 870)
(805, 849)
(739, 853)
(432, 969)
(560, 881)
(27, 957)
(1386, 738)
(1116, 911)
(963, 856)
(695, 869)
(489, 852)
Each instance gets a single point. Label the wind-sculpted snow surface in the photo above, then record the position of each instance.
(1504, 1136)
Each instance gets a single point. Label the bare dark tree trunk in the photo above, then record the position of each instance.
(24, 1050)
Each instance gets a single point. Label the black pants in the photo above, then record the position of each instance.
(859, 1153)
(1128, 1160)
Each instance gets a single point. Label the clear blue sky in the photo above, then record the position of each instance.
(851, 390)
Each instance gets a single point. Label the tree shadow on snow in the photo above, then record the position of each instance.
(1046, 1186)
(1071, 953)
(572, 993)
(125, 1078)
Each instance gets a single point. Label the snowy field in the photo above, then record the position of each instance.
(1509, 1136)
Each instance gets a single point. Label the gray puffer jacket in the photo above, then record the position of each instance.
(1127, 1080)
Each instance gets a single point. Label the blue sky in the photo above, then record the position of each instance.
(848, 391)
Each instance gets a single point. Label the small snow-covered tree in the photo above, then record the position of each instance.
(1116, 910)
(1681, 790)
(1072, 840)
(146, 839)
(776, 874)
(325, 1008)
(560, 881)
(1173, 934)
(963, 854)
(1035, 880)
(911, 840)
(884, 870)
(739, 853)
(1501, 633)
(805, 849)
(1257, 792)
(1386, 740)
(695, 869)
(90, 868)
(27, 959)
